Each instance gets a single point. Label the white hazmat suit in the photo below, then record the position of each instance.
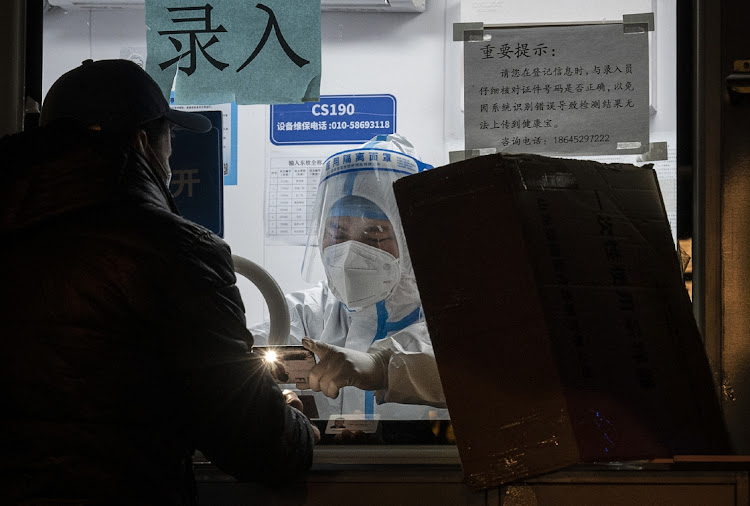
(369, 300)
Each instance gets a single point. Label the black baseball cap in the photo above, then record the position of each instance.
(113, 95)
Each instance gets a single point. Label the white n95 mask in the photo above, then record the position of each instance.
(360, 275)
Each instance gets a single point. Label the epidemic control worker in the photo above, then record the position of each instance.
(124, 344)
(364, 321)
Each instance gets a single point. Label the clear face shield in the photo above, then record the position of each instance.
(355, 205)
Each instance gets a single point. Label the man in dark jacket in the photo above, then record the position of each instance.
(124, 345)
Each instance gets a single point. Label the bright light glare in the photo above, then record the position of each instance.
(270, 356)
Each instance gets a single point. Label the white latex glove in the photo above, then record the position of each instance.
(339, 367)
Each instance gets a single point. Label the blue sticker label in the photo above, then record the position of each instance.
(335, 119)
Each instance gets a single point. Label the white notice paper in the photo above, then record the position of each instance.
(291, 186)
(578, 90)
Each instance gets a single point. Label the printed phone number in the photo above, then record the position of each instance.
(358, 125)
(580, 139)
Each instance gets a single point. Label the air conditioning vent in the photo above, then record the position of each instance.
(373, 5)
(99, 5)
(325, 5)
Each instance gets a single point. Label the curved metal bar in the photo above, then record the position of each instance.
(274, 297)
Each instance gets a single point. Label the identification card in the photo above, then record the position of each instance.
(289, 364)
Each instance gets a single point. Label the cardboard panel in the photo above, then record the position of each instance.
(562, 330)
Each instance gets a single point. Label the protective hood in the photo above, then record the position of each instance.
(367, 172)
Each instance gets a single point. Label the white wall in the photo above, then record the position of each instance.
(399, 54)
(410, 56)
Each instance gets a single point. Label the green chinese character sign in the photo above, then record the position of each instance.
(241, 51)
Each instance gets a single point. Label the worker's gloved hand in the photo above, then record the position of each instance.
(339, 367)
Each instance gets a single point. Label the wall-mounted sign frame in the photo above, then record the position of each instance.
(575, 89)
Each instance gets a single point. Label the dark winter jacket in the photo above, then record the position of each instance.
(124, 345)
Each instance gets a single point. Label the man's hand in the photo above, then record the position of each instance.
(293, 400)
(340, 367)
